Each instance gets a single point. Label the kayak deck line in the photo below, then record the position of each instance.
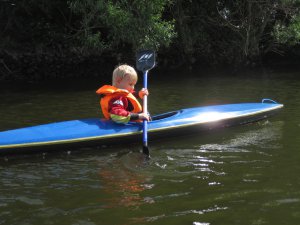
(98, 131)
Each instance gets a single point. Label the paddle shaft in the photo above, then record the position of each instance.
(145, 61)
(145, 110)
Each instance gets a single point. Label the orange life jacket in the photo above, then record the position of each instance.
(110, 92)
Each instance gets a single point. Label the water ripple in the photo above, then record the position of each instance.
(186, 212)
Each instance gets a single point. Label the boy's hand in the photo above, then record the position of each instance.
(143, 92)
(144, 116)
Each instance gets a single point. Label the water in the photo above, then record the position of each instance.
(241, 175)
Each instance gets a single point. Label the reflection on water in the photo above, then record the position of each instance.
(123, 186)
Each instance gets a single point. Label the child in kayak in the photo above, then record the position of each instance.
(118, 101)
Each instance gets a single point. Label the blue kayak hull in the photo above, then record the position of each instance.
(95, 131)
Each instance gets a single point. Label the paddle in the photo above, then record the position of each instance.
(145, 61)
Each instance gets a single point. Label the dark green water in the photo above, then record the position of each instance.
(241, 175)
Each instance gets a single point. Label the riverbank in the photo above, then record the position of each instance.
(33, 67)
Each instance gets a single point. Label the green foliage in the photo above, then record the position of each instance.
(107, 24)
(288, 33)
(183, 31)
(234, 32)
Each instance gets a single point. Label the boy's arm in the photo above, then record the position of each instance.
(118, 112)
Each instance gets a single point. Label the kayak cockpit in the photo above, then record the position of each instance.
(165, 115)
(159, 117)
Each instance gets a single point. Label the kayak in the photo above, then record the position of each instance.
(99, 132)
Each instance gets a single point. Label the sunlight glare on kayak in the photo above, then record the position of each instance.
(214, 116)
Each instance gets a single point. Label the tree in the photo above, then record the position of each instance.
(32, 23)
(287, 25)
(234, 32)
(123, 24)
(184, 31)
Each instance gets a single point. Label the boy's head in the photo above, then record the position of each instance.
(124, 77)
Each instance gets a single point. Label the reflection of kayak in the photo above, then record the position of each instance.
(87, 132)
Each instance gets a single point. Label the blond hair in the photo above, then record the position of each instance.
(123, 70)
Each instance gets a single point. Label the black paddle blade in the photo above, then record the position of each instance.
(145, 60)
(146, 151)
